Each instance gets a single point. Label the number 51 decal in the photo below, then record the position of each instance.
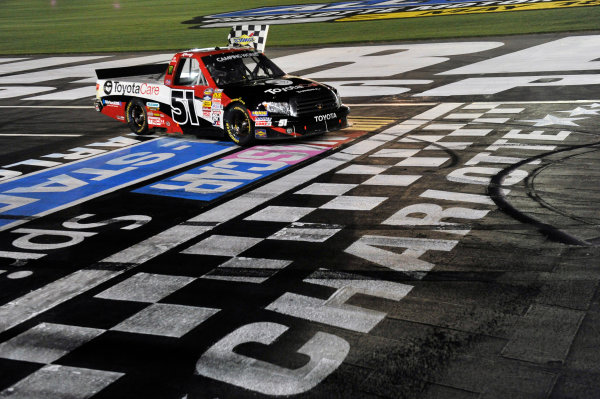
(182, 107)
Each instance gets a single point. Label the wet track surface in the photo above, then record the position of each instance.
(444, 246)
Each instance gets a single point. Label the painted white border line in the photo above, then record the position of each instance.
(49, 106)
(68, 287)
(39, 135)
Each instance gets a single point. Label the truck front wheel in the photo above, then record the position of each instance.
(238, 125)
(137, 118)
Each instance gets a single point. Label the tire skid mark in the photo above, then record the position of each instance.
(533, 194)
(495, 188)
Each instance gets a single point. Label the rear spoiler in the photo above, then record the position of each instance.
(148, 69)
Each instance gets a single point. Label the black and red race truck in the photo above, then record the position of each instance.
(237, 90)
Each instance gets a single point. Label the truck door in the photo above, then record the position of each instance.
(188, 93)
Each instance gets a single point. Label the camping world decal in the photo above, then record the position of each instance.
(375, 10)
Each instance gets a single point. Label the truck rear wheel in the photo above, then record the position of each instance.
(137, 117)
(238, 125)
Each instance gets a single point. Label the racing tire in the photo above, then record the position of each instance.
(238, 125)
(137, 117)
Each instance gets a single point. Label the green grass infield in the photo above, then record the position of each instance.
(91, 26)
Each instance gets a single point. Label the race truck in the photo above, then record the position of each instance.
(235, 90)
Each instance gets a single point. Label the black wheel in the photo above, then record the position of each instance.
(137, 118)
(238, 125)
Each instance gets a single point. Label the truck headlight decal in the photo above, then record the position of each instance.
(278, 108)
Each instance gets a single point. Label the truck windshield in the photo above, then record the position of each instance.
(227, 69)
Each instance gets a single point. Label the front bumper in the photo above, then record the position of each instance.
(306, 125)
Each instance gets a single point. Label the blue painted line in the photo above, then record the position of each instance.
(39, 194)
(213, 180)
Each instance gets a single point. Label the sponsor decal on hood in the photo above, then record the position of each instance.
(285, 89)
(279, 82)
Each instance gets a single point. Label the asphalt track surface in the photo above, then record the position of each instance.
(444, 246)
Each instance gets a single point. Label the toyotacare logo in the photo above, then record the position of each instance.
(132, 88)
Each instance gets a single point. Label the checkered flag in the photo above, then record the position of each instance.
(249, 35)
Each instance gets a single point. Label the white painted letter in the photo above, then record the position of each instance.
(55, 184)
(469, 174)
(408, 261)
(77, 153)
(334, 311)
(379, 61)
(573, 53)
(26, 241)
(6, 174)
(498, 84)
(139, 220)
(13, 202)
(433, 215)
(221, 363)
(141, 158)
(103, 173)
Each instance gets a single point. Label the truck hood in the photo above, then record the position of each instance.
(283, 89)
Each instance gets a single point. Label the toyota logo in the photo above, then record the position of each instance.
(108, 85)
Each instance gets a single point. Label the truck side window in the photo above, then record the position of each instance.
(188, 73)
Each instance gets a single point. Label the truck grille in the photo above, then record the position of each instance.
(313, 102)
